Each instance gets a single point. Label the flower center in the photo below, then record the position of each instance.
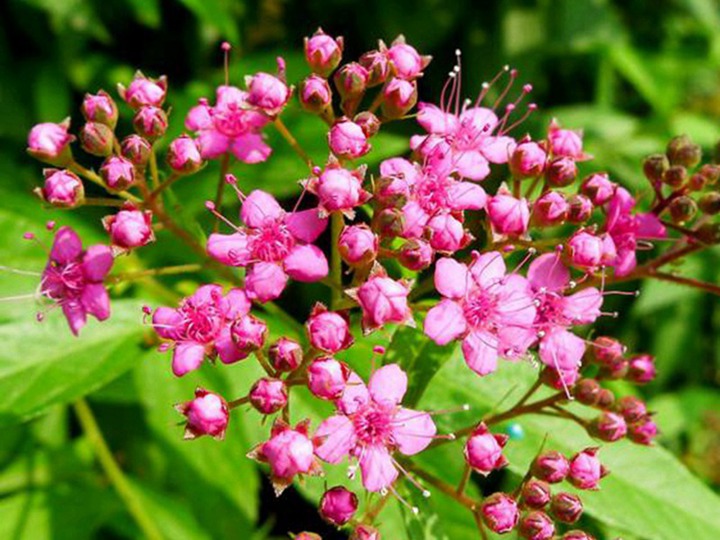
(202, 322)
(373, 424)
(549, 309)
(231, 120)
(272, 242)
(64, 282)
(481, 310)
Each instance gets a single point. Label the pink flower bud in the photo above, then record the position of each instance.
(566, 507)
(561, 172)
(508, 215)
(327, 378)
(358, 245)
(328, 330)
(268, 395)
(535, 493)
(368, 122)
(150, 122)
(365, 532)
(248, 333)
(589, 251)
(447, 234)
(641, 369)
(577, 535)
(97, 139)
(536, 525)
(62, 188)
(643, 431)
(631, 408)
(383, 300)
(285, 354)
(389, 222)
(605, 399)
(351, 80)
(406, 60)
(378, 67)
(184, 156)
(267, 92)
(340, 190)
(100, 108)
(606, 350)
(586, 469)
(207, 414)
(142, 91)
(338, 505)
(581, 209)
(323, 53)
(500, 512)
(416, 255)
(609, 427)
(598, 188)
(130, 228)
(527, 160)
(587, 392)
(483, 450)
(551, 467)
(399, 97)
(559, 378)
(136, 149)
(289, 452)
(347, 140)
(118, 173)
(50, 142)
(565, 142)
(315, 94)
(550, 209)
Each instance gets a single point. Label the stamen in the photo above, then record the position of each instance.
(211, 207)
(413, 481)
(226, 53)
(414, 509)
(19, 272)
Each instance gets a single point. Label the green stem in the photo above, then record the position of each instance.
(443, 486)
(164, 271)
(336, 226)
(224, 167)
(93, 177)
(117, 478)
(101, 201)
(166, 184)
(285, 132)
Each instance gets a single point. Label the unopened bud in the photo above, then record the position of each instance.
(605, 399)
(150, 122)
(285, 354)
(609, 427)
(586, 391)
(136, 149)
(710, 203)
(641, 368)
(632, 408)
(682, 151)
(550, 466)
(500, 513)
(315, 94)
(100, 108)
(399, 96)
(566, 507)
(97, 139)
(655, 166)
(643, 431)
(580, 209)
(675, 176)
(323, 53)
(708, 233)
(268, 395)
(338, 505)
(62, 188)
(416, 254)
(377, 65)
(368, 122)
(535, 493)
(561, 172)
(683, 209)
(536, 525)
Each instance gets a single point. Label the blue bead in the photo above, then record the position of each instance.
(515, 431)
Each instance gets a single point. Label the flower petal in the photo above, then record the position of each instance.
(480, 350)
(306, 263)
(229, 249)
(354, 396)
(334, 438)
(306, 225)
(561, 350)
(96, 301)
(378, 471)
(97, 261)
(187, 357)
(66, 247)
(466, 196)
(452, 279)
(445, 322)
(260, 207)
(388, 384)
(76, 316)
(488, 268)
(413, 431)
(548, 271)
(250, 148)
(583, 307)
(265, 281)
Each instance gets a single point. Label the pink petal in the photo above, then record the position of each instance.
(471, 164)
(488, 268)
(452, 279)
(399, 168)
(466, 196)
(479, 120)
(378, 471)
(354, 396)
(498, 149)
(97, 261)
(198, 118)
(66, 247)
(413, 431)
(76, 316)
(649, 226)
(445, 322)
(434, 120)
(212, 144)
(260, 207)
(415, 219)
(229, 249)
(388, 384)
(583, 307)
(166, 321)
(561, 350)
(187, 357)
(480, 350)
(211, 293)
(235, 304)
(548, 271)
(306, 263)
(306, 225)
(625, 262)
(250, 148)
(96, 301)
(226, 348)
(265, 281)
(334, 438)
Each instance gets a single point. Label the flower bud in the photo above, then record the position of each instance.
(327, 378)
(369, 123)
(50, 143)
(683, 209)
(267, 92)
(675, 176)
(358, 245)
(641, 369)
(589, 251)
(682, 151)
(500, 512)
(560, 379)
(285, 354)
(288, 452)
(323, 53)
(207, 414)
(709, 203)
(605, 399)
(550, 209)
(406, 60)
(586, 469)
(580, 209)
(550, 466)
(416, 255)
(535, 493)
(62, 188)
(143, 91)
(447, 233)
(609, 427)
(586, 391)
(118, 173)
(655, 166)
(338, 505)
(711, 172)
(697, 182)
(577, 535)
(328, 330)
(248, 333)
(268, 395)
(136, 149)
(483, 450)
(100, 108)
(377, 65)
(97, 139)
(150, 122)
(561, 172)
(536, 526)
(383, 300)
(643, 431)
(351, 81)
(708, 233)
(399, 97)
(130, 228)
(527, 160)
(315, 94)
(389, 222)
(631, 408)
(565, 142)
(566, 507)
(508, 215)
(347, 140)
(184, 156)
(606, 350)
(598, 188)
(365, 532)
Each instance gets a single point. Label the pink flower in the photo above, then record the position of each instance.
(62, 188)
(378, 66)
(447, 233)
(136, 149)
(51, 143)
(200, 327)
(552, 467)
(184, 156)
(129, 228)
(207, 414)
(641, 369)
(370, 425)
(492, 312)
(365, 532)
(566, 507)
(643, 431)
(528, 159)
(285, 354)
(347, 140)
(589, 251)
(268, 396)
(535, 493)
(609, 426)
(118, 173)
(143, 91)
(329, 331)
(598, 188)
(406, 60)
(327, 378)
(483, 450)
(73, 279)
(230, 126)
(315, 94)
(267, 93)
(339, 189)
(383, 300)
(508, 216)
(500, 512)
(580, 209)
(416, 255)
(565, 142)
(586, 470)
(536, 526)
(150, 122)
(358, 245)
(399, 96)
(338, 505)
(550, 209)
(248, 333)
(100, 108)
(323, 53)
(561, 172)
(273, 245)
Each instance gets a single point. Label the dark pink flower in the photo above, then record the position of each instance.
(338, 505)
(527, 160)
(329, 331)
(339, 189)
(327, 378)
(536, 525)
(358, 245)
(406, 60)
(565, 142)
(483, 450)
(566, 507)
(552, 467)
(323, 52)
(268, 395)
(267, 92)
(285, 354)
(184, 156)
(509, 216)
(207, 414)
(586, 469)
(315, 94)
(62, 188)
(383, 300)
(500, 512)
(130, 228)
(347, 140)
(118, 173)
(50, 142)
(143, 91)
(100, 108)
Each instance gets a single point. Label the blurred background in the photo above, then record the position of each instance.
(631, 73)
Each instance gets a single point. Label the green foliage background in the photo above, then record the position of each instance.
(632, 73)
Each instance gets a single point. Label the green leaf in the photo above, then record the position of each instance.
(146, 11)
(218, 15)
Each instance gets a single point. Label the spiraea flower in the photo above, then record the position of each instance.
(207, 414)
(383, 300)
(50, 143)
